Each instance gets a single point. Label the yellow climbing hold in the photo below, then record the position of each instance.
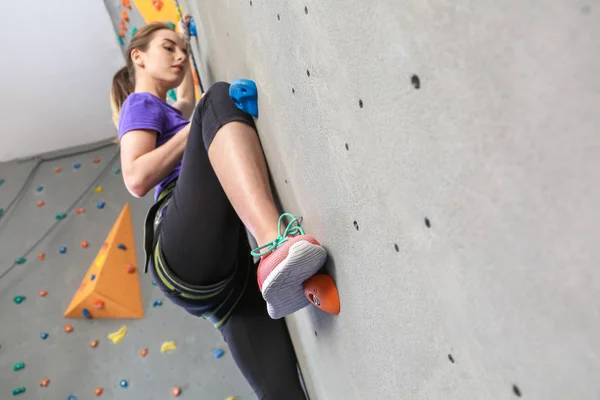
(230, 398)
(167, 346)
(117, 336)
(99, 189)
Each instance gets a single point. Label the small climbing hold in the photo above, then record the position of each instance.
(153, 283)
(120, 38)
(18, 390)
(60, 216)
(19, 299)
(92, 277)
(130, 269)
(230, 398)
(98, 391)
(86, 313)
(192, 28)
(244, 94)
(2, 181)
(122, 246)
(143, 352)
(62, 250)
(85, 244)
(157, 303)
(218, 353)
(172, 94)
(123, 26)
(176, 391)
(71, 397)
(124, 15)
(42, 256)
(126, 3)
(80, 211)
(99, 189)
(117, 336)
(1, 212)
(96, 160)
(170, 24)
(68, 328)
(43, 293)
(158, 4)
(58, 170)
(76, 165)
(99, 304)
(117, 170)
(45, 382)
(39, 188)
(41, 203)
(18, 366)
(20, 260)
(123, 383)
(44, 335)
(168, 346)
(94, 344)
(101, 205)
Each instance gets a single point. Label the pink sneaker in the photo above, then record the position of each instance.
(289, 260)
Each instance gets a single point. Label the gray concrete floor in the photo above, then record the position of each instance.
(66, 359)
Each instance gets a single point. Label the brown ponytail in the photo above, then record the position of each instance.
(123, 83)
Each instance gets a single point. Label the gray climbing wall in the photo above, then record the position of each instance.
(66, 359)
(459, 207)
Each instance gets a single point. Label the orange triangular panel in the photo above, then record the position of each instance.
(111, 287)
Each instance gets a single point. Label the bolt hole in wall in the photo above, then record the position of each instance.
(347, 147)
(451, 358)
(397, 248)
(293, 90)
(356, 225)
(307, 73)
(516, 391)
(427, 223)
(305, 10)
(316, 333)
(360, 103)
(278, 17)
(416, 82)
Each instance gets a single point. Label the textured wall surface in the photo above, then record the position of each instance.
(460, 212)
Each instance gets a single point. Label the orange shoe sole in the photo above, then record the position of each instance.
(321, 291)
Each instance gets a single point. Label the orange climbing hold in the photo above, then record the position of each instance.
(158, 4)
(68, 328)
(321, 291)
(45, 382)
(107, 283)
(130, 269)
(93, 344)
(43, 293)
(123, 25)
(85, 244)
(126, 3)
(80, 211)
(176, 391)
(143, 352)
(42, 256)
(58, 170)
(98, 391)
(41, 203)
(96, 160)
(125, 16)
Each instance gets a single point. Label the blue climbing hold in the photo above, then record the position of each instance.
(71, 397)
(92, 277)
(172, 94)
(157, 303)
(122, 246)
(63, 250)
(101, 205)
(86, 313)
(76, 165)
(218, 353)
(116, 170)
(193, 30)
(39, 188)
(244, 94)
(153, 283)
(123, 383)
(44, 335)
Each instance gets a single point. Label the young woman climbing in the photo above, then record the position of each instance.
(211, 184)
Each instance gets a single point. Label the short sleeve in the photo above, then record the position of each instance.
(140, 111)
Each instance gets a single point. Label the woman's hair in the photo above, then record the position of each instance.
(123, 83)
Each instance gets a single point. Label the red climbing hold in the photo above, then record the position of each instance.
(41, 203)
(85, 244)
(93, 343)
(130, 269)
(321, 291)
(99, 304)
(58, 170)
(43, 293)
(96, 160)
(143, 352)
(126, 3)
(98, 391)
(42, 256)
(80, 211)
(68, 328)
(125, 16)
(157, 4)
(176, 391)
(45, 382)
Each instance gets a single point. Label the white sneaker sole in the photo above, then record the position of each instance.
(282, 290)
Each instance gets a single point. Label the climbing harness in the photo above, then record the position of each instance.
(187, 37)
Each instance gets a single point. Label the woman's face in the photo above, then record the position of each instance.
(166, 58)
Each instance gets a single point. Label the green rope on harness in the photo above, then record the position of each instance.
(292, 229)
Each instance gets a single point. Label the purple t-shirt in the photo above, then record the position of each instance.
(145, 111)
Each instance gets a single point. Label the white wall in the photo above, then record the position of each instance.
(55, 75)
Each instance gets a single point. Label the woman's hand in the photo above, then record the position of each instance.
(184, 24)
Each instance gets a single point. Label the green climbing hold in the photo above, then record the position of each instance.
(172, 94)
(153, 283)
(18, 390)
(116, 170)
(2, 181)
(20, 260)
(60, 216)
(18, 366)
(121, 41)
(19, 299)
(172, 25)
(1, 212)
(133, 31)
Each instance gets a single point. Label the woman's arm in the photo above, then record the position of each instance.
(186, 94)
(143, 164)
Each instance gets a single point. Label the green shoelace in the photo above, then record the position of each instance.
(292, 229)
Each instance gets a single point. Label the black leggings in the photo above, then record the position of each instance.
(202, 238)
